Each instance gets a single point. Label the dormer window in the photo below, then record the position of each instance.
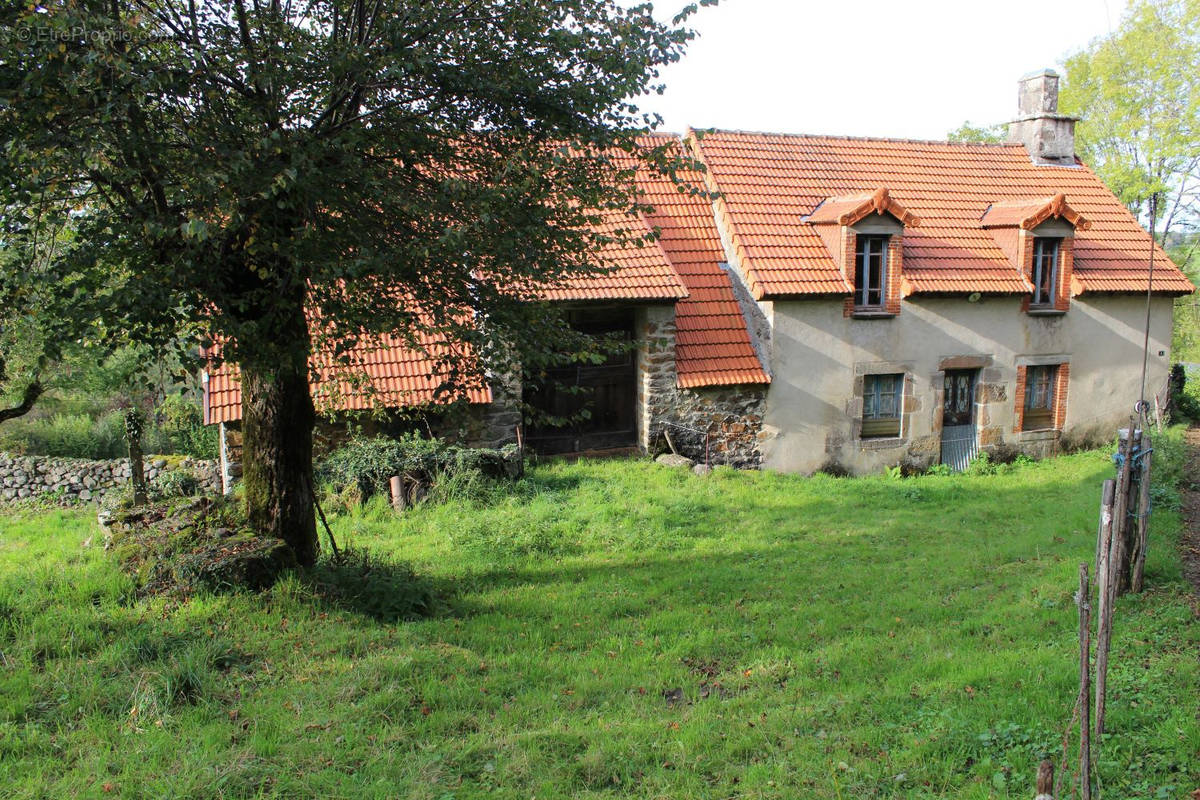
(865, 235)
(870, 272)
(1038, 234)
(1045, 271)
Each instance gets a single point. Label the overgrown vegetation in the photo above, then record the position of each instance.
(614, 629)
(364, 465)
(82, 413)
(179, 547)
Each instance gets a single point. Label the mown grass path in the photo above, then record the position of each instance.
(616, 629)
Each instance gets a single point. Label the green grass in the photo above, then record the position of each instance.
(616, 629)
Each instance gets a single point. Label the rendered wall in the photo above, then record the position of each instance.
(819, 357)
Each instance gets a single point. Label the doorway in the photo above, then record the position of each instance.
(960, 441)
(581, 405)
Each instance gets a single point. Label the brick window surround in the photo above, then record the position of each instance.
(893, 267)
(1060, 378)
(1060, 301)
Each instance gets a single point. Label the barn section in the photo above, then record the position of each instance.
(691, 368)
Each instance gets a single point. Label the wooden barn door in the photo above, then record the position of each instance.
(596, 404)
(960, 441)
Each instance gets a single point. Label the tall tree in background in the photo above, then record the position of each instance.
(1138, 93)
(298, 175)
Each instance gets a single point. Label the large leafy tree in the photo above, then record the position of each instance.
(292, 175)
(1138, 93)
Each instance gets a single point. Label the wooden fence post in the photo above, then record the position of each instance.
(1045, 781)
(1104, 597)
(1121, 544)
(1143, 522)
(1085, 674)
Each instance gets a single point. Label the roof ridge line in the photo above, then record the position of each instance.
(843, 137)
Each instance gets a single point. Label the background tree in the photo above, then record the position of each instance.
(299, 175)
(1137, 91)
(978, 133)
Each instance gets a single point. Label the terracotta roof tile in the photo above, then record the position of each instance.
(712, 346)
(769, 183)
(1028, 214)
(399, 375)
(640, 268)
(396, 375)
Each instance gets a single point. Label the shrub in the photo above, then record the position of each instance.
(176, 483)
(182, 426)
(78, 436)
(1185, 402)
(366, 465)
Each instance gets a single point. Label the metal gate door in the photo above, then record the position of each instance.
(959, 439)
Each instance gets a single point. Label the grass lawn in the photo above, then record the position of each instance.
(616, 629)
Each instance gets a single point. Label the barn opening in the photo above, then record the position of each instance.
(583, 405)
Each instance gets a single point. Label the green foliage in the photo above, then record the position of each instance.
(175, 483)
(378, 586)
(1138, 93)
(979, 133)
(367, 464)
(389, 168)
(182, 423)
(934, 656)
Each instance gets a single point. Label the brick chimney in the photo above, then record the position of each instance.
(1048, 135)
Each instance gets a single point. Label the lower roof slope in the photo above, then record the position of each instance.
(382, 373)
(769, 182)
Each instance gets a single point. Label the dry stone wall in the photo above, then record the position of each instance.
(711, 425)
(72, 481)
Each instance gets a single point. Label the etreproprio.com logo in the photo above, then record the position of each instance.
(76, 34)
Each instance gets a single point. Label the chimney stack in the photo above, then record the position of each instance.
(1047, 135)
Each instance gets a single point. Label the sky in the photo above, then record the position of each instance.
(913, 69)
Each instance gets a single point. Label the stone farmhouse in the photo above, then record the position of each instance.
(848, 302)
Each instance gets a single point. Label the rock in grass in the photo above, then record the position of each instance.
(702, 469)
(674, 460)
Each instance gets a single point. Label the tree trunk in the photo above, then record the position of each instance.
(135, 422)
(277, 450)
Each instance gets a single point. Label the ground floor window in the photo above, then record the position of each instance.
(1040, 397)
(882, 399)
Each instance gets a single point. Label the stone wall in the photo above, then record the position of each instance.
(714, 425)
(72, 481)
(718, 425)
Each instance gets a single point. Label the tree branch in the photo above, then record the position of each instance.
(32, 392)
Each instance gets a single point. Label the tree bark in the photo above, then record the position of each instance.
(277, 450)
(32, 392)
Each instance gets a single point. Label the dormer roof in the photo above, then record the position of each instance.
(1028, 214)
(852, 209)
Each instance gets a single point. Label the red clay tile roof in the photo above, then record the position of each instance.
(641, 270)
(398, 376)
(712, 346)
(1028, 214)
(769, 183)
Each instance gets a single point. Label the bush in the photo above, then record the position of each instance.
(176, 483)
(182, 425)
(366, 465)
(69, 436)
(1185, 402)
